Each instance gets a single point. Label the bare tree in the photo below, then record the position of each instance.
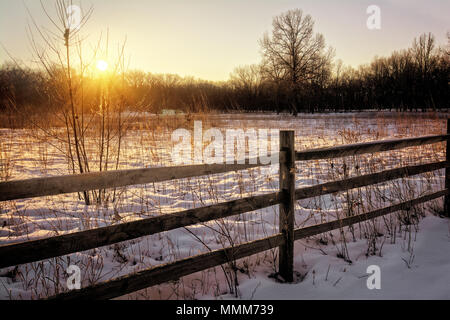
(59, 50)
(55, 59)
(426, 58)
(294, 52)
(447, 51)
(247, 81)
(424, 53)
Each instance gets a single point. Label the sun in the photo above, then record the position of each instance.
(102, 65)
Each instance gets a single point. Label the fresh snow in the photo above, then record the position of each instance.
(427, 276)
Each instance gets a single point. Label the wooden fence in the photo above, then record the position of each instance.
(36, 250)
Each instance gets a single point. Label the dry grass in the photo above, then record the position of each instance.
(142, 145)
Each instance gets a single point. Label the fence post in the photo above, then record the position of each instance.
(286, 207)
(447, 174)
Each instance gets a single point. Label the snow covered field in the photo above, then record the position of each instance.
(421, 273)
(411, 254)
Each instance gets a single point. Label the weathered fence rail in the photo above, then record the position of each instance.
(50, 186)
(173, 271)
(36, 250)
(367, 147)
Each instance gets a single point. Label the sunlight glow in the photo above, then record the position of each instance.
(102, 65)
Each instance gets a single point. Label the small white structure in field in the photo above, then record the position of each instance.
(168, 112)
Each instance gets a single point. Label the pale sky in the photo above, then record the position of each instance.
(208, 38)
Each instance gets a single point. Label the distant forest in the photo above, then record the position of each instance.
(297, 73)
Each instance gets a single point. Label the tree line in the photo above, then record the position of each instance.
(297, 73)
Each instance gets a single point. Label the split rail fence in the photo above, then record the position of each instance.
(41, 249)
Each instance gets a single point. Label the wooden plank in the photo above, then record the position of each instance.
(171, 271)
(369, 179)
(447, 174)
(367, 147)
(333, 225)
(40, 249)
(51, 247)
(48, 186)
(287, 205)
